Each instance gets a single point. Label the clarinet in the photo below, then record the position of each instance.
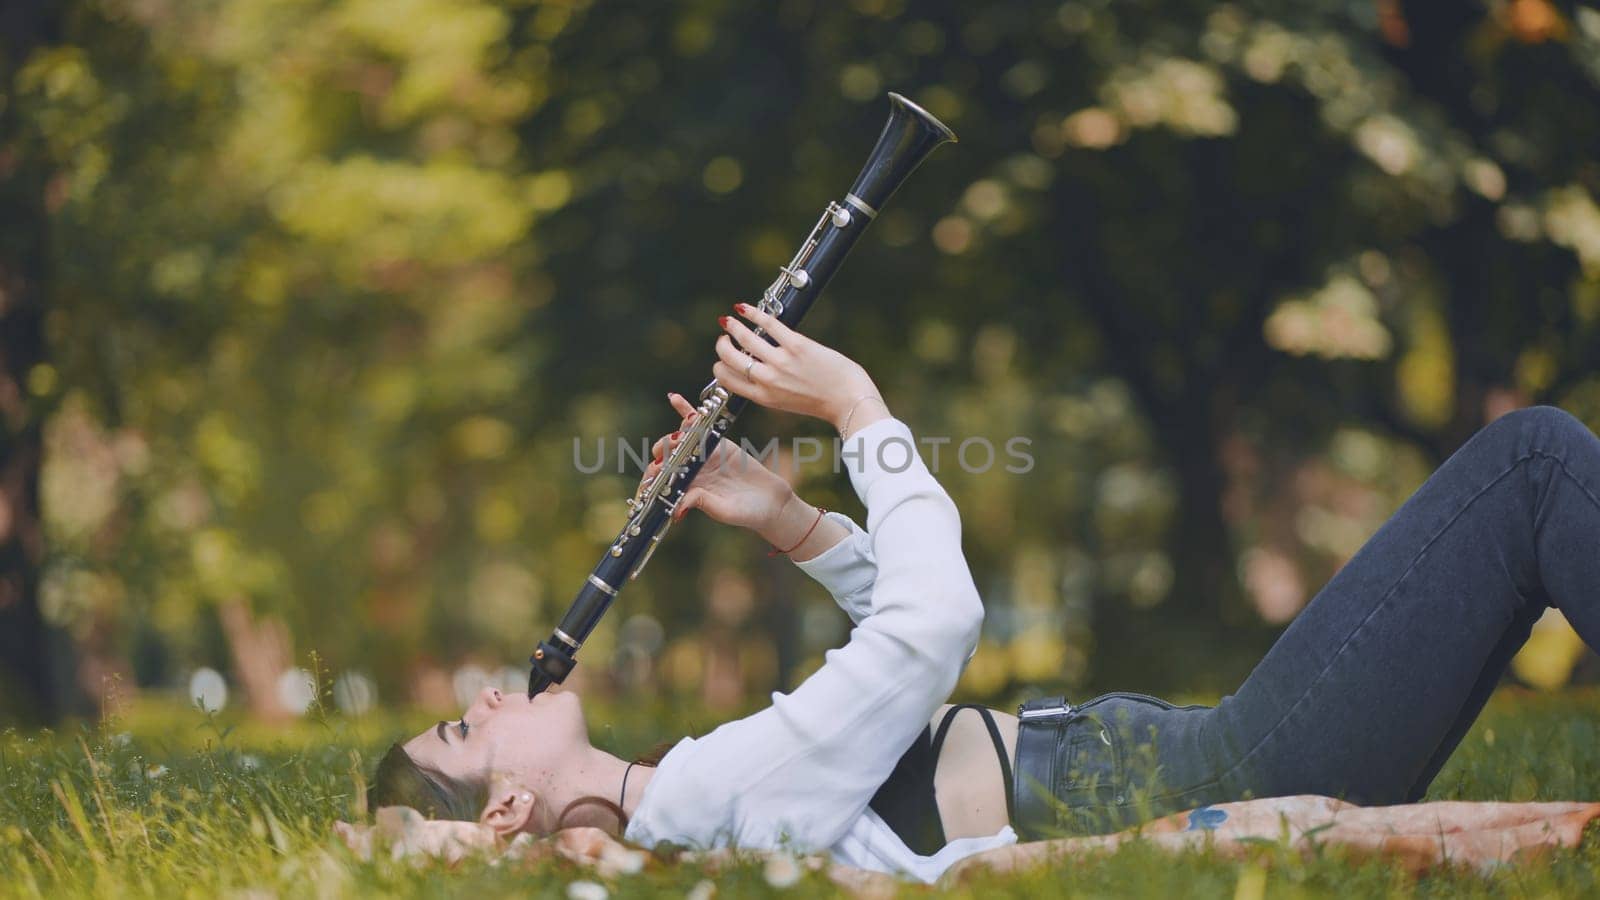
(910, 134)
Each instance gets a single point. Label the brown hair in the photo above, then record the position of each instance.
(402, 781)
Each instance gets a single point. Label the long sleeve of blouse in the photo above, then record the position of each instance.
(848, 569)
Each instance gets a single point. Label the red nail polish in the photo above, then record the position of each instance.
(676, 434)
(742, 309)
(723, 321)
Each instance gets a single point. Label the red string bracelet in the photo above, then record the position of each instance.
(820, 513)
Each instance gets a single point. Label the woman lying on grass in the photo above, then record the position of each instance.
(1363, 697)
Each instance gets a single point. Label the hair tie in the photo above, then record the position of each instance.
(820, 513)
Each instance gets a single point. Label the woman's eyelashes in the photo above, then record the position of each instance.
(464, 728)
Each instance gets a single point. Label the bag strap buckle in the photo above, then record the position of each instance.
(1045, 708)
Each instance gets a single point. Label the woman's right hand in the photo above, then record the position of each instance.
(732, 487)
(796, 374)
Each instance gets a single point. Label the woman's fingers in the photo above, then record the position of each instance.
(711, 504)
(658, 453)
(755, 343)
(682, 407)
(729, 353)
(768, 323)
(690, 500)
(737, 371)
(733, 378)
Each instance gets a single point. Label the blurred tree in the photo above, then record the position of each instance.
(31, 688)
(280, 321)
(1188, 229)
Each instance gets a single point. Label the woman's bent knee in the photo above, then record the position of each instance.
(1545, 424)
(1541, 429)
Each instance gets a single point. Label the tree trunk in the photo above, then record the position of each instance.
(1203, 625)
(31, 689)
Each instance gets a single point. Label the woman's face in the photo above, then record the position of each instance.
(530, 740)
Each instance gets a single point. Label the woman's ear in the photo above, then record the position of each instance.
(509, 810)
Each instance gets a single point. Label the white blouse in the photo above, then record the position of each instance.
(799, 774)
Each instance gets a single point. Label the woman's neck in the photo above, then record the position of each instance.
(600, 774)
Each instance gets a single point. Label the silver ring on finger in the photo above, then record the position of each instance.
(751, 365)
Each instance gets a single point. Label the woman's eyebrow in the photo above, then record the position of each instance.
(439, 729)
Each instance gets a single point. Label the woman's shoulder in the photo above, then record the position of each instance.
(682, 803)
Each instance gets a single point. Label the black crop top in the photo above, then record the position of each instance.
(906, 802)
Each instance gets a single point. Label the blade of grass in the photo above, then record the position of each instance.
(80, 821)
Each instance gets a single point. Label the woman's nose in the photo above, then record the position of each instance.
(487, 701)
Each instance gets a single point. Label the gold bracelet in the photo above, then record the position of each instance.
(844, 430)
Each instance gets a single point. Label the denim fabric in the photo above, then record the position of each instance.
(1112, 762)
(1371, 688)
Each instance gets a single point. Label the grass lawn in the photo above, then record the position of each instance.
(171, 803)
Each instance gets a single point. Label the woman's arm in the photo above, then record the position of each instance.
(803, 769)
(848, 569)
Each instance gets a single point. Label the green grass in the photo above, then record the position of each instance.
(170, 803)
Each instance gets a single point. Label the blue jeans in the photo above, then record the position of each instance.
(1371, 688)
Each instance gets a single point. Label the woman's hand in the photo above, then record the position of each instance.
(733, 487)
(796, 374)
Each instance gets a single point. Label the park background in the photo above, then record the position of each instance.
(306, 309)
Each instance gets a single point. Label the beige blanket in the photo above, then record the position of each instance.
(1416, 837)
